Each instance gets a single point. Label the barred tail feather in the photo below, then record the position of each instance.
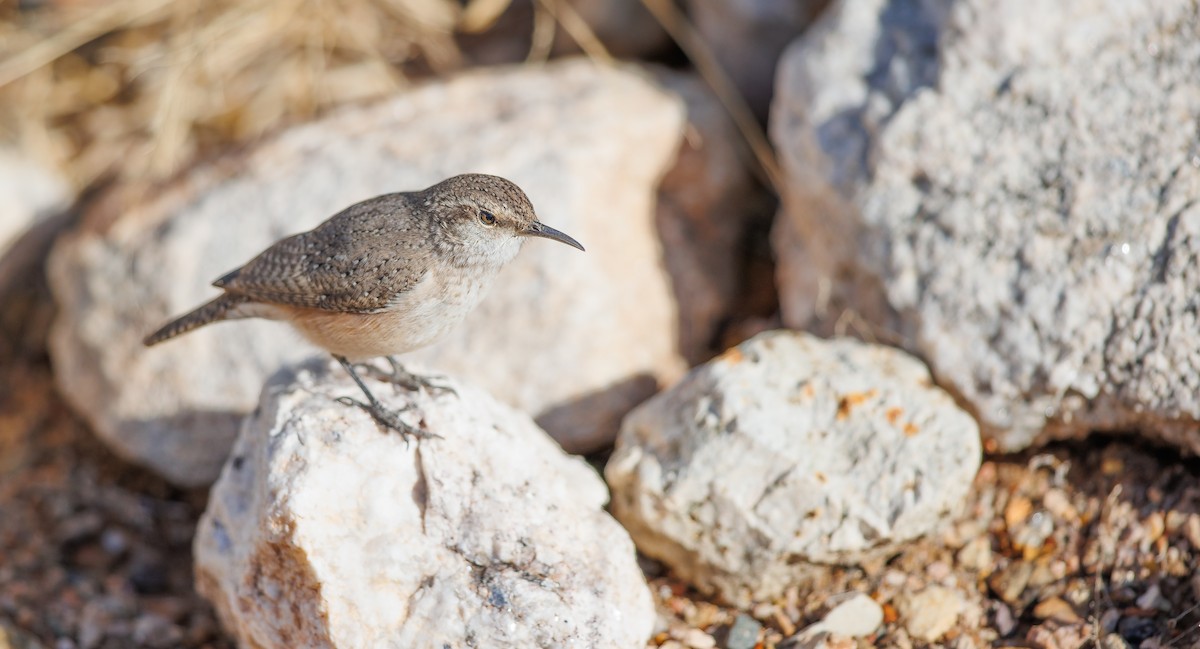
(218, 309)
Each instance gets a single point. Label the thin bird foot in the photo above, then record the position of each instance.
(406, 379)
(387, 417)
(390, 419)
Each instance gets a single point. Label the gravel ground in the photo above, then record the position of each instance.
(1088, 544)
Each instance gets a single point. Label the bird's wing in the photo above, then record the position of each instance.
(355, 262)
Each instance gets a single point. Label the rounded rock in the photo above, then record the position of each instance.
(789, 451)
(325, 530)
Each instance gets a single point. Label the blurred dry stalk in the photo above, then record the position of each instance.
(684, 33)
(134, 89)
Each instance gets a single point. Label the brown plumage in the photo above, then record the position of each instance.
(384, 276)
(211, 311)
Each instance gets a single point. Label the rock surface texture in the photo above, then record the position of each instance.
(557, 337)
(785, 452)
(1015, 193)
(324, 530)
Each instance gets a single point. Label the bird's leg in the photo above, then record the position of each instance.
(385, 416)
(406, 379)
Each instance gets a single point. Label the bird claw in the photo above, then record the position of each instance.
(405, 379)
(390, 419)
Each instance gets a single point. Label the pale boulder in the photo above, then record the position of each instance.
(576, 339)
(1013, 193)
(787, 454)
(325, 530)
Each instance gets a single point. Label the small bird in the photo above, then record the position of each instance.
(385, 276)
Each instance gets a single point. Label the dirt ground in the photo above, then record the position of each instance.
(1091, 543)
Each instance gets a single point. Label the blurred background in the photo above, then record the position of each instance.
(135, 89)
(111, 110)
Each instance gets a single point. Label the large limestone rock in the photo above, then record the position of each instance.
(326, 531)
(575, 338)
(1014, 193)
(787, 454)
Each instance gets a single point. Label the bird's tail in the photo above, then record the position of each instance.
(218, 309)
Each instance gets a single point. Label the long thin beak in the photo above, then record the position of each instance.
(537, 229)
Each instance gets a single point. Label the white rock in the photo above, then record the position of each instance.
(30, 196)
(1012, 191)
(929, 614)
(789, 451)
(856, 617)
(575, 338)
(326, 531)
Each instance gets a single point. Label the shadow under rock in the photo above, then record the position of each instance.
(717, 257)
(26, 308)
(168, 440)
(593, 419)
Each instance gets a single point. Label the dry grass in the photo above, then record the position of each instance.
(134, 89)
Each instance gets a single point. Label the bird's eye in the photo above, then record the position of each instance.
(487, 217)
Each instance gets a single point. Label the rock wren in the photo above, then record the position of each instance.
(382, 277)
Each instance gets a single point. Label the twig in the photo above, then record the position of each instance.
(578, 29)
(673, 21)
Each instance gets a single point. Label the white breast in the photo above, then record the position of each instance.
(416, 318)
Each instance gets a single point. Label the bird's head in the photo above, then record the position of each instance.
(486, 218)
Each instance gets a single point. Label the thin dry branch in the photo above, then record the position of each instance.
(693, 45)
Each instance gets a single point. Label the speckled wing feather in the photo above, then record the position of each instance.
(358, 261)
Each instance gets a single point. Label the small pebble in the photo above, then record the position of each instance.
(763, 611)
(1136, 630)
(157, 632)
(697, 639)
(937, 571)
(1113, 641)
(976, 554)
(1009, 583)
(1057, 503)
(928, 615)
(1017, 511)
(1191, 530)
(1002, 619)
(114, 541)
(1109, 619)
(856, 617)
(784, 623)
(1153, 599)
(148, 574)
(743, 634)
(1057, 610)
